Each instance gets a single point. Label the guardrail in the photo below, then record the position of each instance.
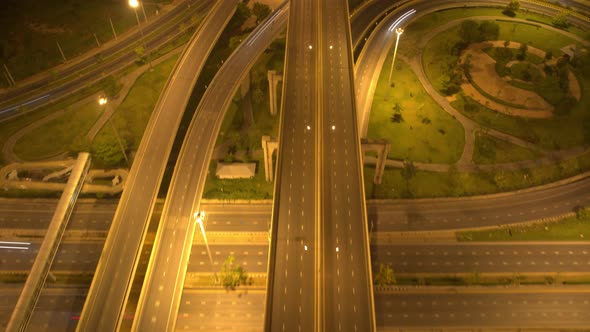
(30, 294)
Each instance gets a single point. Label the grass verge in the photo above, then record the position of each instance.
(490, 150)
(568, 229)
(454, 184)
(418, 128)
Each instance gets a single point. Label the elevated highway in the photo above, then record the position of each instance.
(347, 282)
(112, 281)
(295, 276)
(162, 290)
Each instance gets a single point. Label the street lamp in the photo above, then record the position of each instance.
(199, 218)
(134, 4)
(399, 32)
(102, 101)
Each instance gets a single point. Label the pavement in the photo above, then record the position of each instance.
(467, 309)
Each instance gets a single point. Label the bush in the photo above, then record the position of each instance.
(583, 214)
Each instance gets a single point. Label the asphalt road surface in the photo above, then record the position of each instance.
(347, 285)
(479, 310)
(115, 271)
(292, 274)
(477, 257)
(160, 296)
(58, 309)
(517, 257)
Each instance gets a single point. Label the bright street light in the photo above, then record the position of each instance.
(199, 218)
(102, 101)
(399, 32)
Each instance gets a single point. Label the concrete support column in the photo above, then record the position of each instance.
(382, 149)
(273, 79)
(381, 159)
(245, 86)
(269, 146)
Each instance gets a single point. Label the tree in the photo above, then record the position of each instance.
(106, 150)
(258, 96)
(261, 11)
(242, 14)
(232, 276)
(511, 8)
(140, 55)
(397, 115)
(560, 20)
(385, 276)
(468, 31)
(522, 51)
(488, 31)
(583, 214)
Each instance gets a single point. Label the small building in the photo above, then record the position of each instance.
(235, 170)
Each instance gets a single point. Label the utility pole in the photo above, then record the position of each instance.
(96, 38)
(61, 51)
(9, 76)
(113, 28)
(399, 32)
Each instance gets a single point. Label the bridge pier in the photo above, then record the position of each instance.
(380, 146)
(269, 146)
(273, 79)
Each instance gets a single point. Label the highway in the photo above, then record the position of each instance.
(347, 285)
(452, 257)
(161, 293)
(386, 216)
(92, 69)
(292, 290)
(473, 308)
(115, 271)
(554, 309)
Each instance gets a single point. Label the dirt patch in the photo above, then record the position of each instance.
(484, 75)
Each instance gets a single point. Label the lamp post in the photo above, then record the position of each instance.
(199, 218)
(102, 101)
(399, 32)
(134, 4)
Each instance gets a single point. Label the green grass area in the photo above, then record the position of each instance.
(255, 188)
(131, 117)
(10, 127)
(58, 135)
(454, 183)
(31, 28)
(535, 36)
(413, 34)
(490, 150)
(425, 133)
(569, 229)
(564, 131)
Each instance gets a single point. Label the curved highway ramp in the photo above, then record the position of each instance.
(108, 294)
